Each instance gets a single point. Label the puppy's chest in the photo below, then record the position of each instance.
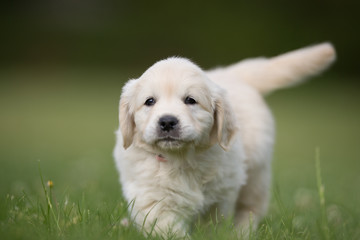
(208, 178)
(196, 177)
(201, 182)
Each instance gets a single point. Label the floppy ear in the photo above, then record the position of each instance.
(126, 116)
(224, 127)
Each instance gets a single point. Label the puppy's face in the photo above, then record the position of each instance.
(172, 106)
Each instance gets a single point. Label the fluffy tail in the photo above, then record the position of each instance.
(267, 75)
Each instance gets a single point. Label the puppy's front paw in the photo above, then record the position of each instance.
(158, 222)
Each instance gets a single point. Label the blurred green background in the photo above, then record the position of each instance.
(63, 63)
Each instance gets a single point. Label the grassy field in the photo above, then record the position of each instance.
(58, 126)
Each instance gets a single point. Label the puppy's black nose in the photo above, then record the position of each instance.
(168, 123)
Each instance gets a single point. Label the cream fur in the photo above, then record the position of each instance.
(221, 156)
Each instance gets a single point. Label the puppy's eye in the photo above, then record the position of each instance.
(150, 101)
(189, 100)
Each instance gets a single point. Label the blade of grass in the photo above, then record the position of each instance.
(321, 190)
(49, 204)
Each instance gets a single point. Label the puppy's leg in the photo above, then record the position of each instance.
(253, 199)
(169, 222)
(226, 207)
(160, 219)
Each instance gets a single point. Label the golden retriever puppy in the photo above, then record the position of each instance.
(191, 141)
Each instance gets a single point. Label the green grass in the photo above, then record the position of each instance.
(63, 123)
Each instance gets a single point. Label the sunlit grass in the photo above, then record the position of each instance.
(48, 216)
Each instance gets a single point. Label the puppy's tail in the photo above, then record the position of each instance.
(267, 75)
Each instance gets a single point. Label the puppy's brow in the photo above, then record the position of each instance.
(169, 88)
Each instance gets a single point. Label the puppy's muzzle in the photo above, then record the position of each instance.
(168, 127)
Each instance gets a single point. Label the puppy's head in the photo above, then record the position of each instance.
(172, 106)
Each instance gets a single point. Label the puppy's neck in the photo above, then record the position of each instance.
(160, 158)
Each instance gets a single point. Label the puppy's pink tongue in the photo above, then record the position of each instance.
(160, 158)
